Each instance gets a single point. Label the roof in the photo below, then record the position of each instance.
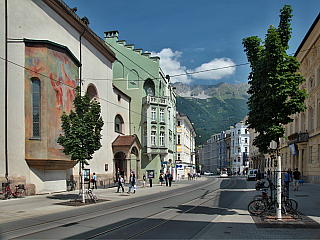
(126, 140)
(307, 35)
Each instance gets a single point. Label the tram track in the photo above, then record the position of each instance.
(78, 218)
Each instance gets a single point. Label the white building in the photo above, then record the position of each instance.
(48, 49)
(240, 138)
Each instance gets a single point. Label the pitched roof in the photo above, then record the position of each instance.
(126, 140)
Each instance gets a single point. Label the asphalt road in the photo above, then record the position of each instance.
(173, 214)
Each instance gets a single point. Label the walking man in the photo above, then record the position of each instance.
(132, 182)
(296, 178)
(170, 179)
(94, 180)
(120, 183)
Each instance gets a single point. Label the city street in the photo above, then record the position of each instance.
(208, 208)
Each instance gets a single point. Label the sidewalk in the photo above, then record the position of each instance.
(241, 225)
(237, 224)
(38, 205)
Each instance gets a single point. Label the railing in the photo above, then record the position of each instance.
(154, 100)
(298, 138)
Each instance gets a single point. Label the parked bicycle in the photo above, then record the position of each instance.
(92, 196)
(20, 191)
(265, 203)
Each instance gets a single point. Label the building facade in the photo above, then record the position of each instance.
(152, 109)
(43, 64)
(301, 148)
(239, 147)
(185, 162)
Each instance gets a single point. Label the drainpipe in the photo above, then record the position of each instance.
(6, 91)
(80, 79)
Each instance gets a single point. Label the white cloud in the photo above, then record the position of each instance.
(170, 64)
(222, 66)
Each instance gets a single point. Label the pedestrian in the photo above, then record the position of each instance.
(170, 179)
(166, 178)
(94, 181)
(296, 177)
(287, 179)
(144, 180)
(194, 176)
(117, 174)
(120, 183)
(132, 182)
(258, 175)
(161, 180)
(150, 176)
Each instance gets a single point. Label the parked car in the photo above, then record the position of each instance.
(224, 174)
(252, 174)
(207, 173)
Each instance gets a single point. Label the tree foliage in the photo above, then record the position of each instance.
(81, 129)
(274, 83)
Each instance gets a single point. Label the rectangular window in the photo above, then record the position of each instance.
(310, 155)
(153, 138)
(246, 149)
(318, 153)
(36, 108)
(179, 139)
(161, 138)
(179, 156)
(179, 124)
(161, 114)
(153, 114)
(246, 140)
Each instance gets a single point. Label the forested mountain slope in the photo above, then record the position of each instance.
(212, 108)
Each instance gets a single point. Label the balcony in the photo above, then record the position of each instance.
(155, 150)
(298, 138)
(154, 100)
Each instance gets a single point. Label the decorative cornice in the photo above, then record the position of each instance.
(70, 17)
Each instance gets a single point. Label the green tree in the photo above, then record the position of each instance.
(274, 83)
(81, 131)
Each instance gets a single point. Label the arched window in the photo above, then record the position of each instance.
(92, 92)
(118, 124)
(149, 88)
(36, 107)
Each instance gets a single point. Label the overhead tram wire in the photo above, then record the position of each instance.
(153, 78)
(132, 111)
(48, 78)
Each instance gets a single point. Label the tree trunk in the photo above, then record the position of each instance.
(279, 216)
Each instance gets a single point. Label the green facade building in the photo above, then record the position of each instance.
(152, 109)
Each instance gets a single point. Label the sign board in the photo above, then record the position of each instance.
(293, 149)
(163, 163)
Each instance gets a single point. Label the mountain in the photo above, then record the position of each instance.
(212, 108)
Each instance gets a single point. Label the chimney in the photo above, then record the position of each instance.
(111, 34)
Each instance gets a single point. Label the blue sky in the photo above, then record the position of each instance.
(196, 35)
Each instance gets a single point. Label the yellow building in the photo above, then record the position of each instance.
(185, 162)
(304, 132)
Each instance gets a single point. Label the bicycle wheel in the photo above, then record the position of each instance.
(20, 193)
(256, 207)
(290, 205)
(94, 197)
